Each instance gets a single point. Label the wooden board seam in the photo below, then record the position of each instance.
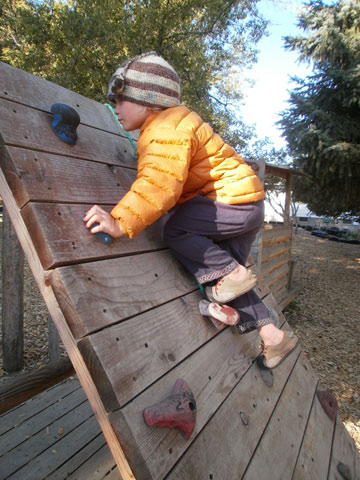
(275, 405)
(17, 102)
(306, 426)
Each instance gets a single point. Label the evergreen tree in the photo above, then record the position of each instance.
(322, 123)
(79, 43)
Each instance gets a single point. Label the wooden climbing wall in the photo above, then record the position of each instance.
(128, 313)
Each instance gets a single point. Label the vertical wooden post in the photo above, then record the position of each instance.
(256, 248)
(13, 299)
(287, 200)
(53, 341)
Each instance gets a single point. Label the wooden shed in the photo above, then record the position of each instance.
(129, 319)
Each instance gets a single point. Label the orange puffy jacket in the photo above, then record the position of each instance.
(180, 157)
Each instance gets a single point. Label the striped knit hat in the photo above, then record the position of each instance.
(148, 80)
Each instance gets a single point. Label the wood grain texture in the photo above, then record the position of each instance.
(243, 416)
(274, 235)
(128, 316)
(46, 464)
(28, 385)
(126, 358)
(44, 177)
(211, 372)
(60, 237)
(44, 94)
(12, 304)
(36, 424)
(316, 445)
(276, 275)
(272, 251)
(28, 128)
(63, 329)
(96, 295)
(277, 451)
(274, 264)
(343, 451)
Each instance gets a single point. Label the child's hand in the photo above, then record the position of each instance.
(106, 223)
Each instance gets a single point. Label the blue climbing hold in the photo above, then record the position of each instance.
(65, 122)
(102, 236)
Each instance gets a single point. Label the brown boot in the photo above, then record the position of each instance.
(275, 354)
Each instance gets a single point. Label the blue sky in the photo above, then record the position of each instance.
(271, 73)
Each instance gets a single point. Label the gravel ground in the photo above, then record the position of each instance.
(325, 315)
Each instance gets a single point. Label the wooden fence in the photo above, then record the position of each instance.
(276, 262)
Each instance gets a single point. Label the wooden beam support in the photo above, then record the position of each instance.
(53, 341)
(27, 385)
(12, 300)
(65, 334)
(287, 199)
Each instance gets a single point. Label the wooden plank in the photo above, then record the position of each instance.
(112, 290)
(44, 94)
(38, 423)
(343, 451)
(27, 385)
(280, 285)
(283, 435)
(93, 460)
(21, 414)
(272, 251)
(314, 455)
(49, 459)
(113, 475)
(281, 295)
(12, 305)
(274, 264)
(95, 465)
(60, 237)
(44, 177)
(290, 297)
(211, 373)
(64, 331)
(145, 347)
(54, 353)
(272, 236)
(277, 275)
(261, 288)
(242, 418)
(25, 127)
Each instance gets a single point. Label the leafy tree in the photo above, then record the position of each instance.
(79, 43)
(322, 123)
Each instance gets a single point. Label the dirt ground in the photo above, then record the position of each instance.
(325, 315)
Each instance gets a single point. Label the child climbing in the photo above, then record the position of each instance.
(210, 200)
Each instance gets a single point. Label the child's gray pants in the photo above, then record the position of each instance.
(210, 238)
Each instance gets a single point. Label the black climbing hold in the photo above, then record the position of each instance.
(344, 471)
(260, 362)
(65, 122)
(267, 376)
(265, 372)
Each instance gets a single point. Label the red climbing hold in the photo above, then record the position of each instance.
(176, 411)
